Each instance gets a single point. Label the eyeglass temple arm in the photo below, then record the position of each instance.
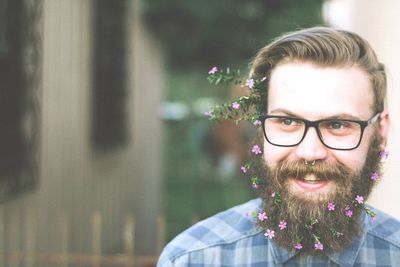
(374, 118)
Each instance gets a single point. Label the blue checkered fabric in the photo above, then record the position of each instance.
(231, 239)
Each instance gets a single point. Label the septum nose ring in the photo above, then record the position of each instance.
(307, 163)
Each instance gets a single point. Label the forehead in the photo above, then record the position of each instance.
(316, 92)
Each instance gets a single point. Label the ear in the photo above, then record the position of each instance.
(384, 125)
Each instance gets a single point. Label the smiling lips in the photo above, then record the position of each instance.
(311, 183)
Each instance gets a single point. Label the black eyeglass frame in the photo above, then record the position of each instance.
(315, 124)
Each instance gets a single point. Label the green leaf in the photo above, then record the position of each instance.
(218, 80)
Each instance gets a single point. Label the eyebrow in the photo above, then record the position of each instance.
(342, 116)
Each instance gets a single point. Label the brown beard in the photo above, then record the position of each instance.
(308, 218)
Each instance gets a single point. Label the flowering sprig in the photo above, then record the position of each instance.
(243, 169)
(262, 216)
(348, 212)
(277, 199)
(217, 76)
(298, 246)
(269, 233)
(336, 233)
(255, 182)
(256, 150)
(282, 225)
(359, 199)
(384, 154)
(318, 246)
(244, 108)
(309, 226)
(375, 176)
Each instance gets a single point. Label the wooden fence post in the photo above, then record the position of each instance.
(128, 237)
(96, 238)
(2, 238)
(64, 230)
(14, 236)
(30, 236)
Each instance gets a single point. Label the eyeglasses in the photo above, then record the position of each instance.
(338, 134)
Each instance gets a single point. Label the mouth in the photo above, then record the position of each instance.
(310, 182)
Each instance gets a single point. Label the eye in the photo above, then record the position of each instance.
(289, 122)
(337, 125)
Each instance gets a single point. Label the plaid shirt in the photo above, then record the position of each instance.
(232, 239)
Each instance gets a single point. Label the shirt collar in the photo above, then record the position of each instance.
(346, 257)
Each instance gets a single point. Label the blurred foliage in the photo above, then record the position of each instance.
(224, 32)
(193, 187)
(194, 190)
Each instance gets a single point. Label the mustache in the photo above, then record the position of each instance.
(323, 170)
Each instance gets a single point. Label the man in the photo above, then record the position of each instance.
(324, 131)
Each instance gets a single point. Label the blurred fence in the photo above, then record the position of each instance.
(95, 257)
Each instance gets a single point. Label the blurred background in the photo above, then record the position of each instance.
(105, 154)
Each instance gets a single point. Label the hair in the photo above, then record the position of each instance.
(325, 47)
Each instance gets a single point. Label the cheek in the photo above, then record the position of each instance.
(354, 159)
(349, 159)
(274, 154)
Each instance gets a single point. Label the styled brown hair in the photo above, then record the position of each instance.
(325, 47)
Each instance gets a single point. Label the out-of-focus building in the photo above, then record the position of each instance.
(86, 180)
(377, 21)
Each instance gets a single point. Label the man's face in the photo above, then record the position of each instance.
(303, 90)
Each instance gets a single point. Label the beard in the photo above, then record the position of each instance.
(308, 219)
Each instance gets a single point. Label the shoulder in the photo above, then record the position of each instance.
(222, 229)
(385, 228)
(381, 244)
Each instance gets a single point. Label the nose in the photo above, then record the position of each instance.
(311, 148)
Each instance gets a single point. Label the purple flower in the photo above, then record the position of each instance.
(298, 246)
(359, 199)
(348, 212)
(250, 83)
(208, 114)
(331, 206)
(262, 216)
(318, 246)
(375, 176)
(235, 105)
(384, 154)
(243, 169)
(213, 70)
(256, 149)
(255, 185)
(257, 122)
(254, 182)
(282, 225)
(269, 233)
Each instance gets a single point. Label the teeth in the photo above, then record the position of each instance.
(311, 178)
